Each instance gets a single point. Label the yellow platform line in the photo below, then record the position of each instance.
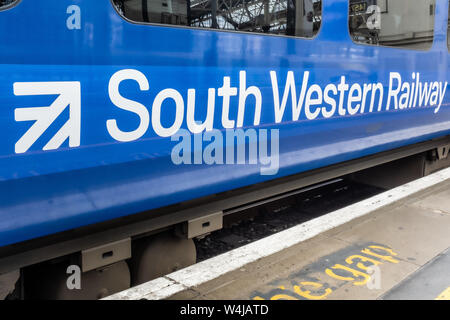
(445, 295)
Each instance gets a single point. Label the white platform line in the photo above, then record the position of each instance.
(207, 270)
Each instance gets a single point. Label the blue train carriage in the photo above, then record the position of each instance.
(131, 127)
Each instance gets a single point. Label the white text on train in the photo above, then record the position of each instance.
(313, 101)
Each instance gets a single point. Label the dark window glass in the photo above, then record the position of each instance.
(6, 3)
(285, 17)
(448, 28)
(393, 23)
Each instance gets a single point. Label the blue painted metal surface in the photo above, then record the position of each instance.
(44, 192)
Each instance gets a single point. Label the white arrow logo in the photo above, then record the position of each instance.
(69, 95)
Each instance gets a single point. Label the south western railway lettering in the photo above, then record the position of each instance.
(347, 98)
(306, 100)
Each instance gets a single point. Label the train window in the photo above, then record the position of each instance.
(393, 23)
(4, 4)
(448, 28)
(300, 18)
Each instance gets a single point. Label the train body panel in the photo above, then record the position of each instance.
(57, 179)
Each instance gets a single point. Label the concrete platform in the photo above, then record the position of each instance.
(398, 251)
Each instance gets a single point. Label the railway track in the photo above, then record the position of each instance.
(241, 228)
